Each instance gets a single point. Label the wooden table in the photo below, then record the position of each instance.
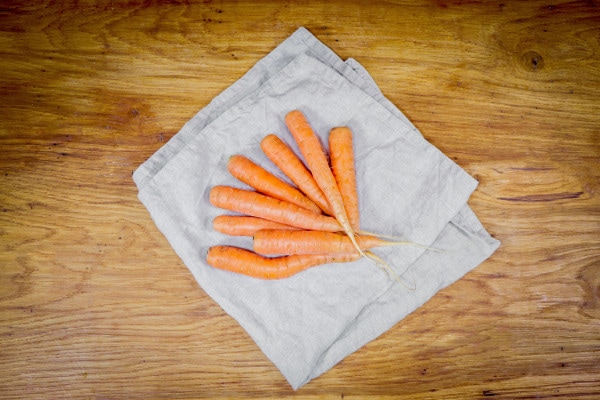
(95, 304)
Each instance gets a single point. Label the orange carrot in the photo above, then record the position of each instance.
(242, 261)
(287, 161)
(273, 241)
(259, 205)
(341, 155)
(265, 182)
(242, 225)
(311, 149)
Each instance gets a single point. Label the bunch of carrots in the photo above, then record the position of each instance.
(296, 227)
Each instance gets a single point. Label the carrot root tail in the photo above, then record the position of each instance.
(398, 241)
(389, 270)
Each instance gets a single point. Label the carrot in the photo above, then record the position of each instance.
(341, 155)
(311, 149)
(287, 161)
(242, 261)
(259, 205)
(242, 225)
(265, 182)
(273, 241)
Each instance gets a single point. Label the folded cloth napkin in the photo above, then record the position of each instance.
(309, 322)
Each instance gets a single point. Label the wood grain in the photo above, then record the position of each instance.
(95, 304)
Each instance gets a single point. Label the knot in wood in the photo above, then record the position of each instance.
(532, 61)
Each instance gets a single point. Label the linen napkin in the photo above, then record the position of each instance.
(309, 322)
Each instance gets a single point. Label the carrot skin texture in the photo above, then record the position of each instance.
(287, 161)
(259, 205)
(246, 262)
(272, 242)
(243, 225)
(341, 155)
(317, 162)
(265, 182)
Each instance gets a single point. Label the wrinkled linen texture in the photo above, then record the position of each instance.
(309, 322)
